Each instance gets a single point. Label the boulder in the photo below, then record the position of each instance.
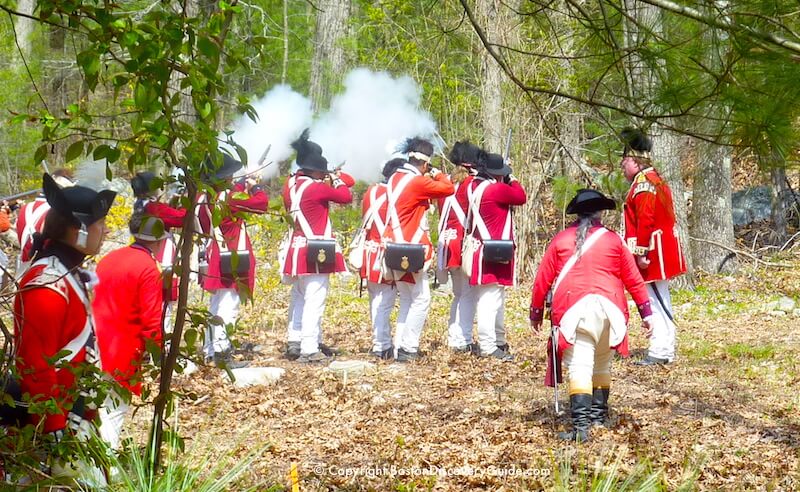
(751, 205)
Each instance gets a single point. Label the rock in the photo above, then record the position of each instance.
(350, 368)
(796, 313)
(378, 400)
(256, 376)
(751, 205)
(785, 304)
(777, 314)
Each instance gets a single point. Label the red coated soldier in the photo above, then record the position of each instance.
(53, 314)
(490, 250)
(312, 254)
(382, 291)
(231, 263)
(452, 219)
(587, 269)
(651, 235)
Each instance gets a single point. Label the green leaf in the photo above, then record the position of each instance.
(74, 150)
(40, 154)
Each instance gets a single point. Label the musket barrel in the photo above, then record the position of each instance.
(22, 195)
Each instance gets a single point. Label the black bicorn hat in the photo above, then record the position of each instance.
(229, 167)
(493, 164)
(141, 183)
(588, 201)
(309, 154)
(85, 205)
(636, 143)
(464, 154)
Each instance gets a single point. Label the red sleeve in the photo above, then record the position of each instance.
(511, 193)
(37, 341)
(256, 203)
(151, 304)
(545, 276)
(644, 204)
(340, 194)
(5, 222)
(432, 188)
(632, 279)
(172, 217)
(348, 180)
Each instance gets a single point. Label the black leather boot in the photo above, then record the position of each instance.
(580, 406)
(599, 412)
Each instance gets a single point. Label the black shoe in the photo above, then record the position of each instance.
(464, 349)
(328, 351)
(315, 358)
(293, 350)
(651, 361)
(504, 348)
(580, 406)
(499, 354)
(403, 356)
(223, 360)
(387, 354)
(598, 415)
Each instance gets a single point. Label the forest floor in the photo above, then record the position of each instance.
(723, 416)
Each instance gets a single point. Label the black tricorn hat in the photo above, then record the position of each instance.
(493, 164)
(636, 143)
(228, 168)
(141, 183)
(588, 201)
(464, 154)
(309, 154)
(80, 203)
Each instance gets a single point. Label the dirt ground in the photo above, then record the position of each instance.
(724, 416)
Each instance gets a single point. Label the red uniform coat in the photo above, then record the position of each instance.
(412, 205)
(650, 226)
(30, 219)
(371, 265)
(231, 227)
(127, 310)
(451, 225)
(314, 208)
(49, 313)
(495, 211)
(605, 269)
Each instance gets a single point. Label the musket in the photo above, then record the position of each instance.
(21, 195)
(264, 156)
(508, 145)
(554, 351)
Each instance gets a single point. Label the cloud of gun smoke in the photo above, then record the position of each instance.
(282, 115)
(375, 113)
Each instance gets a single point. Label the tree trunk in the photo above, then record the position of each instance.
(328, 63)
(642, 85)
(712, 219)
(489, 14)
(24, 27)
(780, 193)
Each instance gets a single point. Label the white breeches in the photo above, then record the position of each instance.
(225, 304)
(588, 361)
(491, 316)
(662, 343)
(462, 310)
(415, 300)
(381, 302)
(306, 307)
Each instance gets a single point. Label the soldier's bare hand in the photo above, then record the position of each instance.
(647, 327)
(536, 326)
(642, 262)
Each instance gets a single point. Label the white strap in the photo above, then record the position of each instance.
(393, 194)
(451, 206)
(80, 341)
(373, 215)
(297, 186)
(32, 217)
(588, 243)
(475, 196)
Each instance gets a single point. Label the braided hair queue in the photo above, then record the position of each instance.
(585, 222)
